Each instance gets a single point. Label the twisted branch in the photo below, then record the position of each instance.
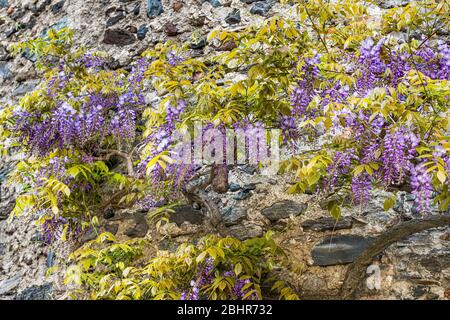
(195, 192)
(356, 272)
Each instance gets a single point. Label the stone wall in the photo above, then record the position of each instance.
(415, 268)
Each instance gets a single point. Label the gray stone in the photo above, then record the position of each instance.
(198, 45)
(114, 19)
(436, 261)
(5, 73)
(248, 168)
(42, 292)
(140, 228)
(388, 4)
(2, 249)
(249, 1)
(419, 290)
(40, 7)
(234, 187)
(233, 215)
(177, 6)
(109, 213)
(248, 187)
(118, 37)
(6, 207)
(283, 209)
(4, 4)
(18, 14)
(154, 8)
(24, 88)
(410, 197)
(28, 259)
(62, 23)
(4, 54)
(327, 223)
(137, 9)
(261, 8)
(245, 231)
(185, 213)
(214, 3)
(6, 286)
(56, 8)
(138, 231)
(29, 56)
(242, 195)
(142, 32)
(233, 17)
(10, 32)
(339, 249)
(51, 258)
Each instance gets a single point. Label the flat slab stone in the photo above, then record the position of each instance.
(283, 209)
(245, 231)
(233, 215)
(140, 228)
(24, 88)
(327, 223)
(339, 249)
(118, 37)
(184, 213)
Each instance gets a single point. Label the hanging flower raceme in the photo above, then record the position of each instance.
(399, 151)
(434, 63)
(362, 188)
(203, 278)
(56, 228)
(340, 167)
(173, 58)
(422, 188)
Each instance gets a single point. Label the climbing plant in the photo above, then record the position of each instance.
(371, 91)
(214, 268)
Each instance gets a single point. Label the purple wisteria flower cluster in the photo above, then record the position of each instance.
(238, 291)
(54, 228)
(205, 276)
(174, 58)
(82, 120)
(339, 168)
(399, 151)
(388, 148)
(421, 187)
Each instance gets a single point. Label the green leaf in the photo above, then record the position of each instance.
(201, 257)
(237, 269)
(335, 211)
(441, 176)
(389, 203)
